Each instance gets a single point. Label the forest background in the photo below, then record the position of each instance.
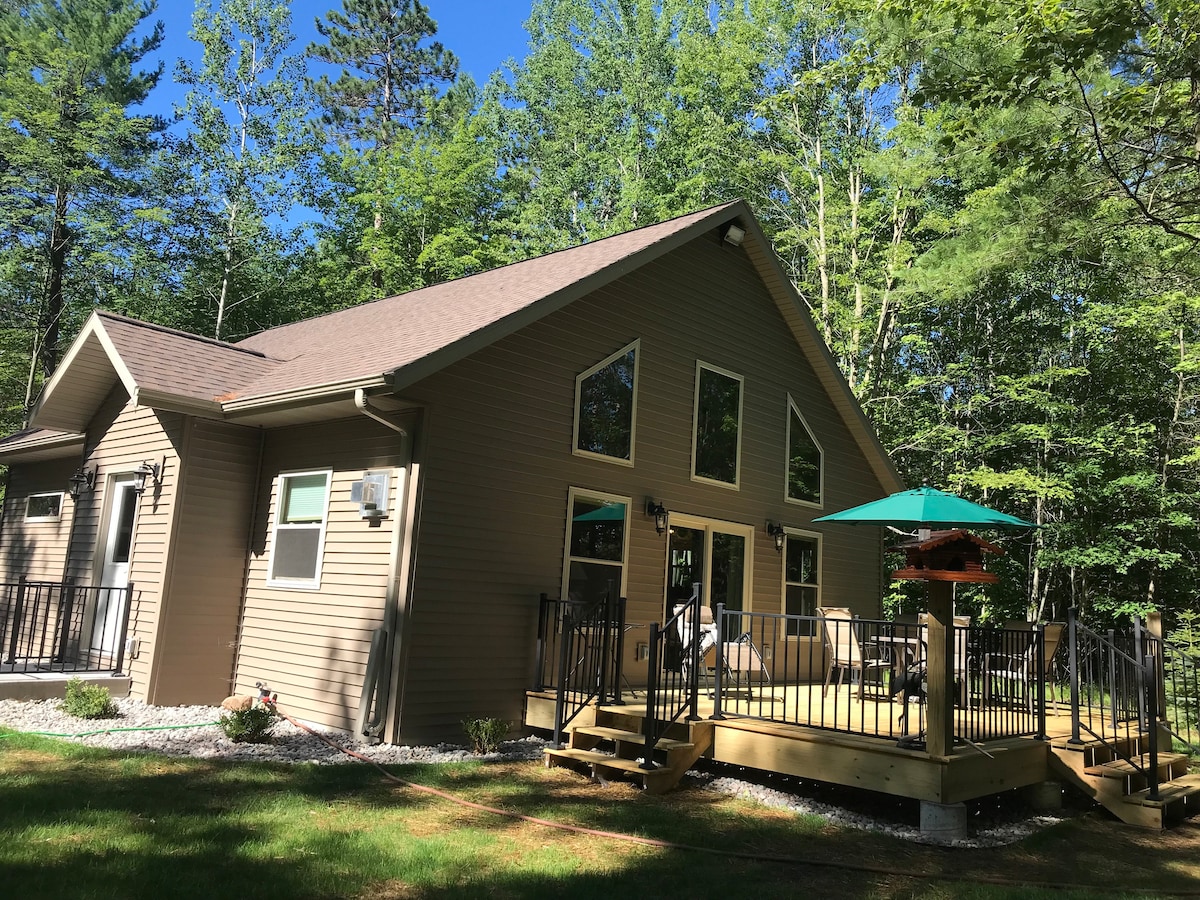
(992, 210)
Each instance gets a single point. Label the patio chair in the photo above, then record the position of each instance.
(704, 631)
(1020, 670)
(741, 658)
(846, 654)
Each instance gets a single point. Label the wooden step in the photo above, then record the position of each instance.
(617, 735)
(1120, 768)
(1180, 789)
(595, 758)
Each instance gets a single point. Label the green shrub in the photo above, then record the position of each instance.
(486, 734)
(88, 701)
(249, 726)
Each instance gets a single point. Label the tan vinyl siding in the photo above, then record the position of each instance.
(199, 620)
(120, 437)
(499, 465)
(37, 550)
(312, 646)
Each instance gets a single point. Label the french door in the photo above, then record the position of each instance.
(114, 571)
(715, 554)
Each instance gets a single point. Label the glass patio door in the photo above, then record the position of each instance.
(714, 553)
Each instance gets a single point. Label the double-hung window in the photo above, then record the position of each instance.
(606, 407)
(596, 545)
(801, 580)
(717, 438)
(299, 537)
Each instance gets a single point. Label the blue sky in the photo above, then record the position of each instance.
(481, 33)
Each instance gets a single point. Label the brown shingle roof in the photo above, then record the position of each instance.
(393, 333)
(163, 360)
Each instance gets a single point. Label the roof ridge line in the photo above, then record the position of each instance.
(166, 329)
(518, 262)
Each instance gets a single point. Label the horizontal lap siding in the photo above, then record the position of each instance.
(498, 467)
(312, 646)
(120, 437)
(37, 550)
(198, 630)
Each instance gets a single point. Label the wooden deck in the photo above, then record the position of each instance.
(838, 738)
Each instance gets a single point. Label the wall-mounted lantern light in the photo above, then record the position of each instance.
(659, 514)
(82, 482)
(144, 471)
(775, 530)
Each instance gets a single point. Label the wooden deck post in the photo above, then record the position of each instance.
(939, 736)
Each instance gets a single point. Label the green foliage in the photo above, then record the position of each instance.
(486, 734)
(88, 701)
(252, 725)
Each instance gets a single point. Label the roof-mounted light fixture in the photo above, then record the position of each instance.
(775, 530)
(144, 471)
(82, 482)
(659, 514)
(733, 234)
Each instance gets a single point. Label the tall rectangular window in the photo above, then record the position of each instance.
(606, 407)
(596, 542)
(804, 465)
(299, 536)
(718, 425)
(801, 580)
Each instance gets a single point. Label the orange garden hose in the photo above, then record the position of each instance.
(740, 854)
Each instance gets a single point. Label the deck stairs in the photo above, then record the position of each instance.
(1105, 771)
(614, 747)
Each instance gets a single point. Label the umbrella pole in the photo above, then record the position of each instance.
(939, 738)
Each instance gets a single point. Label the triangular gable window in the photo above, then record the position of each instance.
(805, 473)
(606, 407)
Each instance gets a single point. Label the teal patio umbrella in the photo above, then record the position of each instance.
(925, 507)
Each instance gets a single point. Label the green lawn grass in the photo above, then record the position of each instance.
(83, 823)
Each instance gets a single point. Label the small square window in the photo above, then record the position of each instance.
(299, 535)
(43, 507)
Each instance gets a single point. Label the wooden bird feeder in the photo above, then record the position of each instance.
(946, 556)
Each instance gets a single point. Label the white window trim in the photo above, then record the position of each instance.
(708, 526)
(737, 461)
(603, 497)
(53, 518)
(809, 536)
(301, 584)
(636, 346)
(787, 459)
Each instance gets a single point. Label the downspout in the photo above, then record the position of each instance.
(378, 681)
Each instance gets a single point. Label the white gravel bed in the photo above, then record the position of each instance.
(992, 827)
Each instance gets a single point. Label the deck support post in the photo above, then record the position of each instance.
(945, 821)
(939, 737)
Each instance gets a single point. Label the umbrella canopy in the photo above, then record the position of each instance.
(925, 507)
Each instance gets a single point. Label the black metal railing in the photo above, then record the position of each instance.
(1180, 693)
(52, 626)
(579, 654)
(1115, 688)
(673, 673)
(794, 670)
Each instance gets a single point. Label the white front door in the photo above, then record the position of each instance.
(118, 545)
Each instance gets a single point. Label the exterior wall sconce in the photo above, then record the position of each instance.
(659, 513)
(775, 530)
(82, 482)
(733, 234)
(144, 471)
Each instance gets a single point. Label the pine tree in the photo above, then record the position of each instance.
(71, 149)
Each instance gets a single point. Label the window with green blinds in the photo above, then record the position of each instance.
(299, 534)
(304, 498)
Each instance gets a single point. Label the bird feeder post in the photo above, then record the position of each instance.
(939, 735)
